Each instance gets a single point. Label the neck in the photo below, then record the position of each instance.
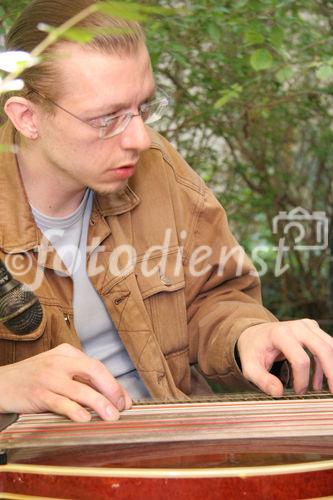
(49, 194)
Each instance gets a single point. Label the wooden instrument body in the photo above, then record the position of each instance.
(274, 487)
(286, 467)
(205, 470)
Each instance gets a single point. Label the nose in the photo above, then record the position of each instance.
(136, 136)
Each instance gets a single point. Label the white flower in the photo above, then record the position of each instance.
(7, 86)
(43, 27)
(10, 61)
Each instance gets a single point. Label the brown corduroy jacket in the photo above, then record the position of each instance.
(175, 303)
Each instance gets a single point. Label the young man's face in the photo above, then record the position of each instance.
(95, 84)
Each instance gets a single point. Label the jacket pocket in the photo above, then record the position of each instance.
(54, 329)
(15, 347)
(161, 282)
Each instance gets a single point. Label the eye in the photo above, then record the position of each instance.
(96, 122)
(116, 123)
(103, 121)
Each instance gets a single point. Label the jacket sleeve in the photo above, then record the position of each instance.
(223, 295)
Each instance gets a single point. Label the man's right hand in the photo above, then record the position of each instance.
(62, 380)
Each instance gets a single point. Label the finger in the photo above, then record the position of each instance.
(101, 379)
(317, 379)
(87, 396)
(64, 406)
(314, 327)
(264, 380)
(124, 402)
(321, 346)
(128, 400)
(298, 359)
(87, 381)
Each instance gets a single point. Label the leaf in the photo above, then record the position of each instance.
(284, 74)
(324, 73)
(214, 32)
(261, 59)
(128, 15)
(228, 95)
(240, 3)
(223, 101)
(2, 11)
(314, 64)
(82, 35)
(180, 59)
(276, 37)
(252, 37)
(131, 11)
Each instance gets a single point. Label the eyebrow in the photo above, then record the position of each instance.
(119, 106)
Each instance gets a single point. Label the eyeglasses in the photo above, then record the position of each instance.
(112, 125)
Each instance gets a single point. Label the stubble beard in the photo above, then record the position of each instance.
(105, 190)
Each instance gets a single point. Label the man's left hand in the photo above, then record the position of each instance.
(301, 342)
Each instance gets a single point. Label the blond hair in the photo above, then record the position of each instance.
(112, 35)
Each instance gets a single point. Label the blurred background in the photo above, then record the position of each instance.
(251, 85)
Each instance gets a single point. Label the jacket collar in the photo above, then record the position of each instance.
(18, 230)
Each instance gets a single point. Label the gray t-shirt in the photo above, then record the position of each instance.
(93, 323)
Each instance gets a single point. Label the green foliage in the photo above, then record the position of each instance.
(252, 83)
(228, 95)
(261, 59)
(8, 12)
(324, 73)
(131, 11)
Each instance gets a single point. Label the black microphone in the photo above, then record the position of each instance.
(20, 309)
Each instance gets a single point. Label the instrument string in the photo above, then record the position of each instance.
(221, 418)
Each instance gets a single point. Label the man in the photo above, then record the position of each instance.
(145, 295)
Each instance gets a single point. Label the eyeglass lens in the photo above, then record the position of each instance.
(150, 113)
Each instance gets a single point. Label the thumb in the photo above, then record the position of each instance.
(264, 380)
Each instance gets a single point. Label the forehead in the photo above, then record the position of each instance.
(88, 75)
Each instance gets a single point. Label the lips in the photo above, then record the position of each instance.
(124, 172)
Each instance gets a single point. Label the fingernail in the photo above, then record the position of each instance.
(273, 391)
(111, 412)
(121, 404)
(128, 403)
(83, 416)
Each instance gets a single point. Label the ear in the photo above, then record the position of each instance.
(22, 114)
